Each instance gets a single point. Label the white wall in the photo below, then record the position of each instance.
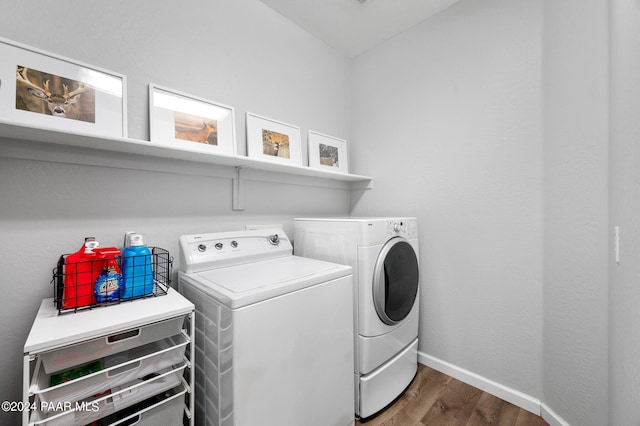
(447, 118)
(513, 207)
(624, 287)
(576, 221)
(496, 113)
(238, 53)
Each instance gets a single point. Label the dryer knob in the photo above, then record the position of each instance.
(397, 227)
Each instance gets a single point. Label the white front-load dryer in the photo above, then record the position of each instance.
(384, 255)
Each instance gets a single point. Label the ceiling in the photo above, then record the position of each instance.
(354, 26)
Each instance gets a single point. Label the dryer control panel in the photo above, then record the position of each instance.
(377, 231)
(404, 227)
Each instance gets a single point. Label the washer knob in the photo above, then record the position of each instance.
(274, 239)
(397, 227)
(234, 244)
(202, 248)
(218, 246)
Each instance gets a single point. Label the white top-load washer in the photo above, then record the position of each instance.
(384, 255)
(274, 331)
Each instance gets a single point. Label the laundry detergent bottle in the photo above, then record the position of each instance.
(137, 269)
(81, 269)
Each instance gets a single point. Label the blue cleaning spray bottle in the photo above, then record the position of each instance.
(109, 282)
(137, 269)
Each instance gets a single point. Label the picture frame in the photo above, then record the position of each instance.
(40, 89)
(273, 141)
(191, 122)
(327, 152)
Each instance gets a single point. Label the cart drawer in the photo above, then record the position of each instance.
(121, 397)
(117, 369)
(152, 412)
(81, 353)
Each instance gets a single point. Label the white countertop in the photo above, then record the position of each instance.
(51, 330)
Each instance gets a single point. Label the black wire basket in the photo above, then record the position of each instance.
(111, 280)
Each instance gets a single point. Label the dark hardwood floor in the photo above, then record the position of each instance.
(434, 399)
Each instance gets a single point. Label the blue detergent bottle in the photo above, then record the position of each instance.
(137, 269)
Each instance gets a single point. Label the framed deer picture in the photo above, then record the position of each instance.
(39, 89)
(327, 152)
(190, 122)
(273, 141)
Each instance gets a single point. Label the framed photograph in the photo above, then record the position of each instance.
(188, 121)
(273, 140)
(43, 90)
(327, 152)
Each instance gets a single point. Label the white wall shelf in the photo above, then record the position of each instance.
(17, 132)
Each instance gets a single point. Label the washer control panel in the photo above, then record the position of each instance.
(202, 252)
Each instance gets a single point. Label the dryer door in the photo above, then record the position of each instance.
(395, 281)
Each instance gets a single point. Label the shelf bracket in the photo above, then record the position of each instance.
(368, 184)
(238, 190)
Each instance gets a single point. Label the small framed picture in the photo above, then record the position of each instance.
(43, 90)
(188, 121)
(273, 140)
(327, 152)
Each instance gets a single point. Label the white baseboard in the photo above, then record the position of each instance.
(552, 418)
(508, 394)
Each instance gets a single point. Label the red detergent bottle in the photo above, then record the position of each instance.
(81, 269)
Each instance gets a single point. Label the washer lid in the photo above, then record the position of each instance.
(241, 285)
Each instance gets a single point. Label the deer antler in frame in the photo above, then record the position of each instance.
(21, 76)
(69, 96)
